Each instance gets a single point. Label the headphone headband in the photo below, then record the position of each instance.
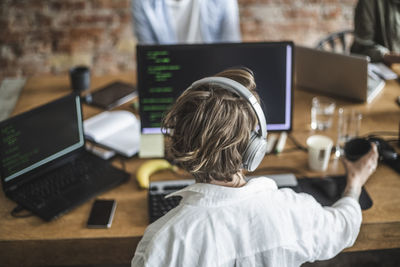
(238, 88)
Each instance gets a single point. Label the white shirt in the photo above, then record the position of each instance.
(254, 225)
(185, 20)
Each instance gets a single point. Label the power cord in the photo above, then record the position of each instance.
(393, 140)
(122, 161)
(380, 133)
(297, 143)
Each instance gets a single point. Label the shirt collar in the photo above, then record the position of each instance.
(210, 194)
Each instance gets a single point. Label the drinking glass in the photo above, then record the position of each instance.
(349, 123)
(322, 111)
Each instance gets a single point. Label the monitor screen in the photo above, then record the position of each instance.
(165, 71)
(41, 135)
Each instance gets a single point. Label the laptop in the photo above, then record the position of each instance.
(334, 74)
(44, 166)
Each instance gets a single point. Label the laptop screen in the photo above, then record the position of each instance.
(165, 71)
(39, 136)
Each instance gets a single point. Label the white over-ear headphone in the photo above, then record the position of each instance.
(257, 146)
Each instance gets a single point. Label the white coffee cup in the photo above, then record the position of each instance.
(319, 152)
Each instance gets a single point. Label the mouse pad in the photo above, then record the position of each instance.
(328, 190)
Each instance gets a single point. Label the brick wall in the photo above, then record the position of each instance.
(50, 36)
(304, 22)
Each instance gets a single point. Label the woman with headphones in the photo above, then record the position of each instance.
(224, 220)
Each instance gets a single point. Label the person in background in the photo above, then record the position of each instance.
(224, 220)
(185, 21)
(377, 30)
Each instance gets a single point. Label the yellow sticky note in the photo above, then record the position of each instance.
(151, 146)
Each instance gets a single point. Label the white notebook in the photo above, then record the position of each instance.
(117, 130)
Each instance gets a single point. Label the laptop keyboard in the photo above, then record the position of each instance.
(159, 205)
(58, 181)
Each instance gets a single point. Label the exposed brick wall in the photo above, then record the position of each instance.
(50, 36)
(53, 35)
(304, 22)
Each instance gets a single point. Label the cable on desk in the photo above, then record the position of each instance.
(384, 133)
(16, 212)
(122, 161)
(297, 143)
(378, 133)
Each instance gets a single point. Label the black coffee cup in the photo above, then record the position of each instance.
(356, 148)
(79, 78)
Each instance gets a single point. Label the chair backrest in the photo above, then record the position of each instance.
(339, 42)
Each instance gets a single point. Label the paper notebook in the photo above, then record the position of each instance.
(117, 130)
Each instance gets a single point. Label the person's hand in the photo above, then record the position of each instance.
(391, 58)
(358, 172)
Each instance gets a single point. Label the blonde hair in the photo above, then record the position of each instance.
(208, 129)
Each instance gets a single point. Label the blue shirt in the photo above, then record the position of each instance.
(219, 21)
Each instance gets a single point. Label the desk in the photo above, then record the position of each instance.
(67, 241)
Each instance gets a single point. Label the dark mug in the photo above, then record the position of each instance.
(79, 78)
(356, 148)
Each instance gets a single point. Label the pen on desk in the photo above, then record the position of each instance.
(281, 143)
(270, 143)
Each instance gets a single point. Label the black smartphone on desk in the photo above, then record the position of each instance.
(102, 213)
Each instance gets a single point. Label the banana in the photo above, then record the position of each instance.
(148, 168)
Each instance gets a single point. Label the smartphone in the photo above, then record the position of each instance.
(102, 213)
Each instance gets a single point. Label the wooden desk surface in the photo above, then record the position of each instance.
(67, 241)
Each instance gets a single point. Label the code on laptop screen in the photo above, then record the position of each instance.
(165, 71)
(39, 136)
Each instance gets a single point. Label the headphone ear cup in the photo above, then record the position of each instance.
(254, 152)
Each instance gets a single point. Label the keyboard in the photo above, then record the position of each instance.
(54, 183)
(158, 204)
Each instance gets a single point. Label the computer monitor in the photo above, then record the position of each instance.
(165, 71)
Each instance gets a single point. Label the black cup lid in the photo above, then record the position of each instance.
(356, 148)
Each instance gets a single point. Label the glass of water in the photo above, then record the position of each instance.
(322, 111)
(349, 124)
